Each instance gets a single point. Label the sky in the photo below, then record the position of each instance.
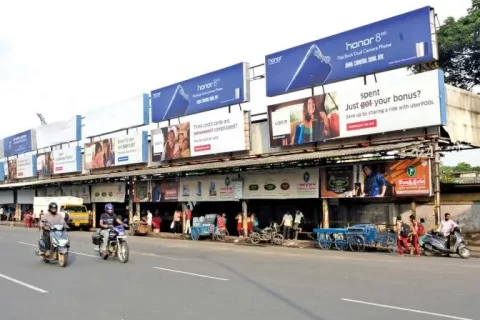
(63, 58)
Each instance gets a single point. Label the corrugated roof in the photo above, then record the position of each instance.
(265, 160)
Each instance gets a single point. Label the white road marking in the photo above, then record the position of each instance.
(26, 285)
(191, 274)
(77, 253)
(405, 309)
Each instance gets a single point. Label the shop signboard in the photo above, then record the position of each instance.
(59, 132)
(399, 41)
(19, 143)
(210, 91)
(118, 151)
(164, 190)
(416, 101)
(108, 192)
(401, 178)
(209, 188)
(130, 113)
(78, 191)
(25, 166)
(142, 191)
(202, 135)
(282, 184)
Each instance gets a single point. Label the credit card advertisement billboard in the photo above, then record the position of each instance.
(377, 179)
(20, 143)
(411, 102)
(203, 135)
(66, 160)
(212, 188)
(22, 167)
(118, 151)
(109, 192)
(282, 184)
(396, 42)
(213, 90)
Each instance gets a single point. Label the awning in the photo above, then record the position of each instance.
(224, 164)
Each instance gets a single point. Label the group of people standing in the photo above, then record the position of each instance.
(154, 221)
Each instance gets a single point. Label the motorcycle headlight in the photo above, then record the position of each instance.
(62, 242)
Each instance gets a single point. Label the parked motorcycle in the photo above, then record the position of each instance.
(269, 234)
(59, 244)
(434, 243)
(116, 246)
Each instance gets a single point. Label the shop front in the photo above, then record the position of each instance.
(7, 205)
(114, 193)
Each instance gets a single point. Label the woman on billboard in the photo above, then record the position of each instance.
(315, 125)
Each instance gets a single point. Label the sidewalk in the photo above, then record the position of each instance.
(299, 244)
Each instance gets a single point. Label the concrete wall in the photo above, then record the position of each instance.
(467, 214)
(463, 116)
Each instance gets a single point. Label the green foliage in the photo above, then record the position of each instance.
(459, 50)
(447, 173)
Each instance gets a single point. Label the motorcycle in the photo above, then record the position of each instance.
(59, 244)
(116, 244)
(269, 234)
(433, 243)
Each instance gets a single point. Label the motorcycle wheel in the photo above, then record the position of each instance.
(464, 252)
(123, 252)
(255, 238)
(62, 259)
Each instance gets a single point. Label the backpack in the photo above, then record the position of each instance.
(421, 229)
(404, 230)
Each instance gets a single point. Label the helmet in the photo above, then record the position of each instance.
(109, 208)
(52, 208)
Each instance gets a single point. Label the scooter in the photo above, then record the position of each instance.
(433, 243)
(59, 245)
(116, 244)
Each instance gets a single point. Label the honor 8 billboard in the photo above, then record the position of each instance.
(213, 90)
(396, 42)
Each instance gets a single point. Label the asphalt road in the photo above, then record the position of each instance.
(174, 279)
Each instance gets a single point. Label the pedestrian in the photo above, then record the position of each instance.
(287, 222)
(414, 234)
(177, 216)
(420, 239)
(403, 230)
(188, 218)
(297, 223)
(239, 219)
(149, 220)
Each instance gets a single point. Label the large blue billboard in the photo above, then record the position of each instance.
(396, 42)
(17, 144)
(213, 90)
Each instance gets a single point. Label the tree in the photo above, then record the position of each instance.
(459, 50)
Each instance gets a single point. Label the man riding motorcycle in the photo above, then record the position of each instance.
(107, 220)
(51, 218)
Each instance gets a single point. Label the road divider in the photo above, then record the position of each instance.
(405, 309)
(26, 285)
(191, 274)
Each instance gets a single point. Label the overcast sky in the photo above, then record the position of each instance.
(63, 58)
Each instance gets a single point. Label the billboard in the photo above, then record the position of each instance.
(164, 190)
(415, 101)
(45, 164)
(2, 171)
(392, 43)
(282, 184)
(19, 143)
(22, 167)
(59, 132)
(212, 188)
(202, 135)
(118, 151)
(126, 114)
(399, 178)
(60, 161)
(213, 90)
(108, 192)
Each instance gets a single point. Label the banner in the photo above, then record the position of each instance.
(282, 184)
(201, 136)
(400, 41)
(377, 179)
(204, 188)
(142, 192)
(118, 151)
(67, 160)
(45, 166)
(22, 167)
(210, 91)
(415, 101)
(164, 190)
(79, 191)
(20, 143)
(130, 113)
(108, 192)
(59, 132)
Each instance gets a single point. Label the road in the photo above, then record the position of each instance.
(175, 279)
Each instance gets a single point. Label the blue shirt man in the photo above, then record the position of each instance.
(375, 184)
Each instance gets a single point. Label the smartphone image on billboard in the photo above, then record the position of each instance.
(313, 70)
(199, 188)
(212, 190)
(178, 104)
